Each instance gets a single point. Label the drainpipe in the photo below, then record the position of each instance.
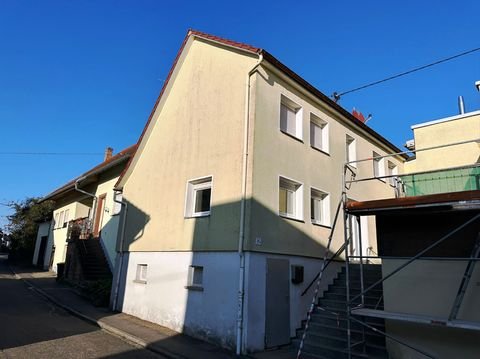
(77, 182)
(241, 237)
(122, 236)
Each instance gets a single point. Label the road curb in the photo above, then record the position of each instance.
(136, 341)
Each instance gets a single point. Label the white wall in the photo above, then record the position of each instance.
(43, 230)
(209, 314)
(255, 300)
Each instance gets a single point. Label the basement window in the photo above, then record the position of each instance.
(141, 275)
(199, 193)
(195, 278)
(290, 118)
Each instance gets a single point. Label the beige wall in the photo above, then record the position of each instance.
(109, 219)
(76, 210)
(197, 131)
(429, 287)
(277, 154)
(460, 128)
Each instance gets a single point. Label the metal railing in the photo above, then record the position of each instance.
(80, 228)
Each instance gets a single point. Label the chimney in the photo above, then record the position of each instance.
(108, 153)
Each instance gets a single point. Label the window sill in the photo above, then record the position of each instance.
(286, 216)
(197, 288)
(139, 281)
(320, 150)
(321, 225)
(199, 215)
(292, 136)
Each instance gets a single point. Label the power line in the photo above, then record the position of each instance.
(51, 153)
(336, 96)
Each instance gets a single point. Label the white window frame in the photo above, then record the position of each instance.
(285, 101)
(378, 166)
(324, 199)
(297, 189)
(193, 186)
(55, 220)
(65, 218)
(192, 280)
(60, 219)
(351, 150)
(141, 273)
(323, 127)
(392, 170)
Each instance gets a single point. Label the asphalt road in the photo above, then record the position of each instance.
(31, 327)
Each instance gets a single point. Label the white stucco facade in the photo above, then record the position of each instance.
(211, 313)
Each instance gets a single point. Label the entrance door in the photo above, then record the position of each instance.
(99, 215)
(41, 251)
(358, 233)
(277, 303)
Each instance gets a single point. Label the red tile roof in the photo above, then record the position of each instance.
(122, 155)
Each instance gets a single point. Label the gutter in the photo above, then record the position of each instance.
(77, 182)
(241, 236)
(122, 236)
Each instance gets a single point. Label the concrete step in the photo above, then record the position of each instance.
(327, 318)
(357, 334)
(374, 292)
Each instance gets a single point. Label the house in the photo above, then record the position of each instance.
(231, 195)
(429, 243)
(83, 231)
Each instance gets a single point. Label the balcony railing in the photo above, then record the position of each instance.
(441, 181)
(80, 228)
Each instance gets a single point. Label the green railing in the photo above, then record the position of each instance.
(443, 181)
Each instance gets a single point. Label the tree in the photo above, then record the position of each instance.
(23, 224)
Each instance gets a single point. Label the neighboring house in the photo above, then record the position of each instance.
(432, 304)
(84, 211)
(232, 194)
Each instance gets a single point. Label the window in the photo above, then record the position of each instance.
(290, 118)
(290, 198)
(60, 219)
(392, 171)
(65, 219)
(351, 151)
(195, 278)
(319, 207)
(318, 133)
(141, 275)
(55, 222)
(199, 193)
(378, 167)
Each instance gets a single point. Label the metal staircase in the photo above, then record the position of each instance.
(326, 337)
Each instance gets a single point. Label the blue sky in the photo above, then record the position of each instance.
(77, 76)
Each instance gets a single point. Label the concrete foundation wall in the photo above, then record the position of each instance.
(209, 314)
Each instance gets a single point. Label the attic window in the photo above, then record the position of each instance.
(199, 193)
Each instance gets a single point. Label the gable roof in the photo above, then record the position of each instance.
(278, 65)
(117, 159)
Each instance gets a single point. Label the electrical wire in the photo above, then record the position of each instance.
(51, 153)
(337, 95)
